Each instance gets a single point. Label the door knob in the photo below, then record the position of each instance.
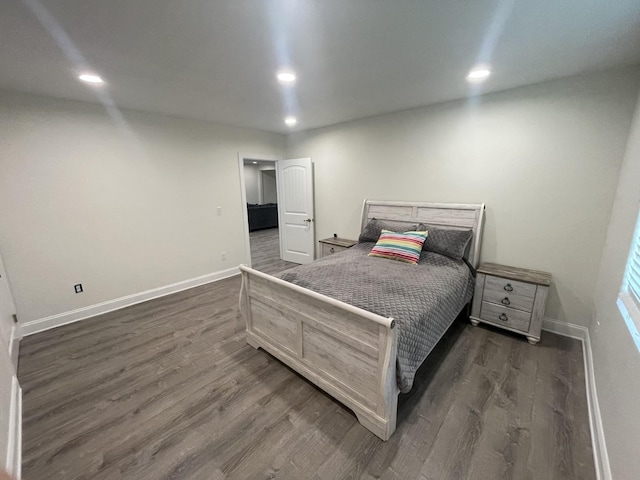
(309, 220)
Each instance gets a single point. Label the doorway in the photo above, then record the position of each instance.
(261, 219)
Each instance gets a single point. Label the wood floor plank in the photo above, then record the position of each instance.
(265, 251)
(451, 455)
(169, 389)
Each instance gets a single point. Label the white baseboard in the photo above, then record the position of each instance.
(35, 326)
(565, 329)
(600, 455)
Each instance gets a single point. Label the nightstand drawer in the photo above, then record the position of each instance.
(328, 249)
(505, 316)
(508, 299)
(505, 286)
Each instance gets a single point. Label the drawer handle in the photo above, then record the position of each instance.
(331, 250)
(505, 301)
(503, 317)
(508, 287)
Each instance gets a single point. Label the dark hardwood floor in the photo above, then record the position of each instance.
(265, 251)
(169, 389)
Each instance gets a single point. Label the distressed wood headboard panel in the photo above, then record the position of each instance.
(453, 215)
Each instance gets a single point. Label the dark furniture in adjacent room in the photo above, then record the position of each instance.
(262, 216)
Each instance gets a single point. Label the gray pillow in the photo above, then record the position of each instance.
(446, 241)
(372, 230)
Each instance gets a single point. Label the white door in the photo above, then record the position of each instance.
(295, 210)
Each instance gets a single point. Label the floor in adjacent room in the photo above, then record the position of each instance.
(265, 251)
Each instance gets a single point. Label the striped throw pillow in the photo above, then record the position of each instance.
(404, 247)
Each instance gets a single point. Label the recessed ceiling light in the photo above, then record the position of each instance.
(478, 74)
(286, 76)
(291, 121)
(91, 78)
(255, 163)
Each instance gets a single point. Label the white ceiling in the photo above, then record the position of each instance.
(216, 60)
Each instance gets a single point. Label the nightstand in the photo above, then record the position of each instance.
(511, 298)
(329, 246)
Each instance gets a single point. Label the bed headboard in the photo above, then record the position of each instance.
(454, 215)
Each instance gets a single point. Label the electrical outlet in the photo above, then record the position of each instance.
(219, 210)
(78, 288)
(223, 256)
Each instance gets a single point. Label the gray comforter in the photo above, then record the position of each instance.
(423, 299)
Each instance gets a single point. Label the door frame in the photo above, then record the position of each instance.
(15, 334)
(12, 460)
(243, 194)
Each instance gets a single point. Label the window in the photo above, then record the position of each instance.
(629, 299)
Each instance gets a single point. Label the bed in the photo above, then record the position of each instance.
(346, 322)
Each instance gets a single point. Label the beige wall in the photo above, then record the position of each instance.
(616, 358)
(120, 208)
(252, 183)
(544, 158)
(269, 187)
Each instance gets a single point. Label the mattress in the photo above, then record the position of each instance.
(424, 299)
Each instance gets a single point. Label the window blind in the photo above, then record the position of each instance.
(629, 299)
(633, 268)
(631, 283)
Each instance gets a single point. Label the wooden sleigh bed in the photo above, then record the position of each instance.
(347, 351)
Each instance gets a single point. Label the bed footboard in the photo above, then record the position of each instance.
(348, 352)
